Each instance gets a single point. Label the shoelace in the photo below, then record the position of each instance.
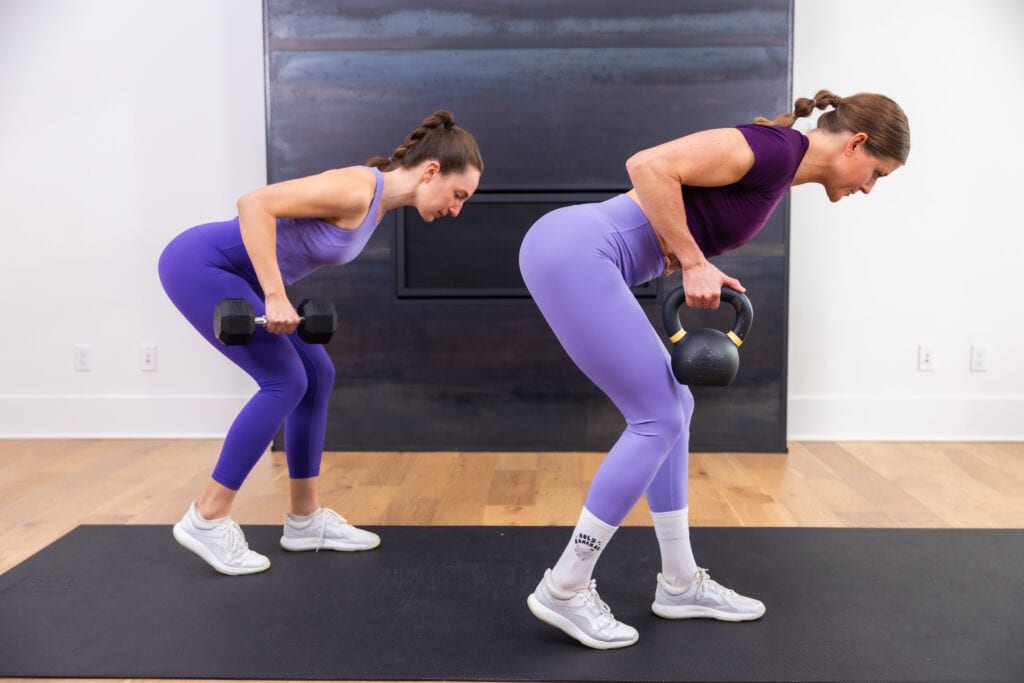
(236, 544)
(706, 583)
(323, 524)
(604, 612)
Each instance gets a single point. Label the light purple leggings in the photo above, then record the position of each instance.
(579, 263)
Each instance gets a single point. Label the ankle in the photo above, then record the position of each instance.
(677, 582)
(560, 588)
(209, 512)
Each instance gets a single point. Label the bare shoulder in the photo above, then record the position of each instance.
(339, 196)
(708, 158)
(727, 143)
(352, 188)
(358, 182)
(714, 157)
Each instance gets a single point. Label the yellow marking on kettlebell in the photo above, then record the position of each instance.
(677, 336)
(735, 338)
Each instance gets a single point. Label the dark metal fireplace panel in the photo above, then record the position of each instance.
(439, 346)
(489, 230)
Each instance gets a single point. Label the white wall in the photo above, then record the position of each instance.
(122, 123)
(932, 256)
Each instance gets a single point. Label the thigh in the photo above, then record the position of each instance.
(595, 315)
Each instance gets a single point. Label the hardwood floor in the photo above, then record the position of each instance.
(49, 487)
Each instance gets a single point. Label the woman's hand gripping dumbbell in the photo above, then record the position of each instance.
(234, 321)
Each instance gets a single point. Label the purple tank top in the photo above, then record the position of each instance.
(305, 244)
(723, 218)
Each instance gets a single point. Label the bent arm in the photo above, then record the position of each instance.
(337, 196)
(710, 158)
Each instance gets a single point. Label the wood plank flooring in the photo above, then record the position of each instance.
(49, 487)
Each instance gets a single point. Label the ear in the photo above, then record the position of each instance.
(855, 141)
(431, 169)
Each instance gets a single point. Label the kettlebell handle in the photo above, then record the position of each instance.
(677, 299)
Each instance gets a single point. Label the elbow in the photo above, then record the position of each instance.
(252, 211)
(636, 163)
(646, 166)
(246, 203)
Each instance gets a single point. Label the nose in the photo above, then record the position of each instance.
(455, 210)
(867, 187)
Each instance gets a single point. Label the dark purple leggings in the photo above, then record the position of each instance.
(579, 263)
(208, 263)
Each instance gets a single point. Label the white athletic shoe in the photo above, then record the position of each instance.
(325, 529)
(220, 542)
(580, 613)
(705, 598)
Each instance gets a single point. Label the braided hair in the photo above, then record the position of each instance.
(436, 138)
(881, 118)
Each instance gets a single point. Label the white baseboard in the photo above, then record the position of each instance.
(811, 418)
(906, 418)
(118, 417)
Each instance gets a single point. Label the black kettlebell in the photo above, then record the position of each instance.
(705, 356)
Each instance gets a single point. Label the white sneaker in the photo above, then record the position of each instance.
(325, 529)
(220, 542)
(580, 613)
(705, 598)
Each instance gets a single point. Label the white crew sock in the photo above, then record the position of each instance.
(576, 565)
(201, 522)
(673, 531)
(301, 520)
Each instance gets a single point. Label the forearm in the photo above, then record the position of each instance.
(661, 198)
(259, 235)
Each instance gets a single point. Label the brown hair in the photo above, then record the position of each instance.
(881, 118)
(437, 138)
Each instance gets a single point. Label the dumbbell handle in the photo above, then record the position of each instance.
(261, 320)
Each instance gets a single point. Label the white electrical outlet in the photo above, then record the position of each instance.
(83, 357)
(926, 358)
(147, 357)
(979, 357)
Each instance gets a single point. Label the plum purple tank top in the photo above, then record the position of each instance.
(723, 218)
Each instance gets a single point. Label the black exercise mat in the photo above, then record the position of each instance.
(450, 603)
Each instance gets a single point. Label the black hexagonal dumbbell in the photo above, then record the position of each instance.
(234, 321)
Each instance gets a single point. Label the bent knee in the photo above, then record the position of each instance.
(321, 380)
(667, 421)
(319, 372)
(287, 387)
(686, 405)
(664, 429)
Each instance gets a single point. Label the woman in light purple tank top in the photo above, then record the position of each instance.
(283, 232)
(579, 263)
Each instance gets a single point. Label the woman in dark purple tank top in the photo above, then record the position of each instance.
(579, 263)
(283, 232)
